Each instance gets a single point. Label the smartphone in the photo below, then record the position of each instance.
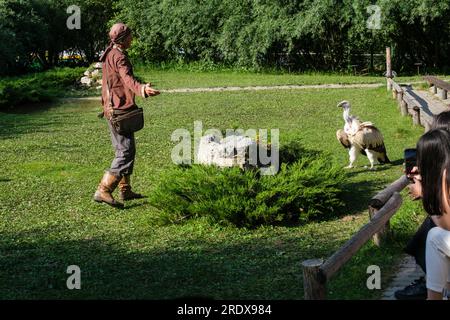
(410, 160)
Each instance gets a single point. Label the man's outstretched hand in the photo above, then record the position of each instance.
(149, 91)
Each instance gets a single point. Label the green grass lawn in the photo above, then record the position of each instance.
(53, 158)
(170, 79)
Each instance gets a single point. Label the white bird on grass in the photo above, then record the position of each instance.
(361, 137)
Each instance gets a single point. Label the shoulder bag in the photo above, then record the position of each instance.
(124, 121)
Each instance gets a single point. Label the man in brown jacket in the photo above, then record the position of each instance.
(118, 91)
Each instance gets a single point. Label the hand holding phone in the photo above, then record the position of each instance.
(410, 161)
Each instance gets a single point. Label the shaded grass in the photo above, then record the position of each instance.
(53, 159)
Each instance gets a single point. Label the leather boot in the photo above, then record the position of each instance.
(105, 189)
(125, 192)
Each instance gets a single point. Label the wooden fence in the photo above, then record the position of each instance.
(438, 84)
(316, 272)
(409, 105)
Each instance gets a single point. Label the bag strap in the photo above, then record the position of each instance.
(108, 91)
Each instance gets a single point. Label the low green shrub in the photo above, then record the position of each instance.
(39, 87)
(304, 189)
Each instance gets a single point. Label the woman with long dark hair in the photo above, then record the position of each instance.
(433, 162)
(417, 245)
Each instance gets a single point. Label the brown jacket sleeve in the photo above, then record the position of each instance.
(126, 73)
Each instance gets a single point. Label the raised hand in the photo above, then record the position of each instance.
(149, 91)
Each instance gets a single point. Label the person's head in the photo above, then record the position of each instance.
(121, 35)
(441, 121)
(433, 161)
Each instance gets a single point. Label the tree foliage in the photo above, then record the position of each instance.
(304, 34)
(35, 31)
(294, 34)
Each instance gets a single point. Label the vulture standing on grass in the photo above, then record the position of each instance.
(361, 137)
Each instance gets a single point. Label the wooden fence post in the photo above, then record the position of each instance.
(416, 115)
(388, 68)
(314, 289)
(404, 108)
(400, 97)
(382, 234)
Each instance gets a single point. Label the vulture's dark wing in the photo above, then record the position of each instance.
(344, 140)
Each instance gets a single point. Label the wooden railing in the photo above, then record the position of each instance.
(316, 272)
(408, 104)
(438, 84)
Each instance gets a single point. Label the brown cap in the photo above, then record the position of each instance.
(119, 32)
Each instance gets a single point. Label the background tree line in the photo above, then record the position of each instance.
(33, 33)
(295, 34)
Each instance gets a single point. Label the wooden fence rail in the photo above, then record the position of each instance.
(438, 83)
(379, 200)
(409, 105)
(316, 272)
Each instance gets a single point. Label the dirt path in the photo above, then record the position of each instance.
(283, 87)
(256, 88)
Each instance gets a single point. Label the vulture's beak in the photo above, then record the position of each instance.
(343, 104)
